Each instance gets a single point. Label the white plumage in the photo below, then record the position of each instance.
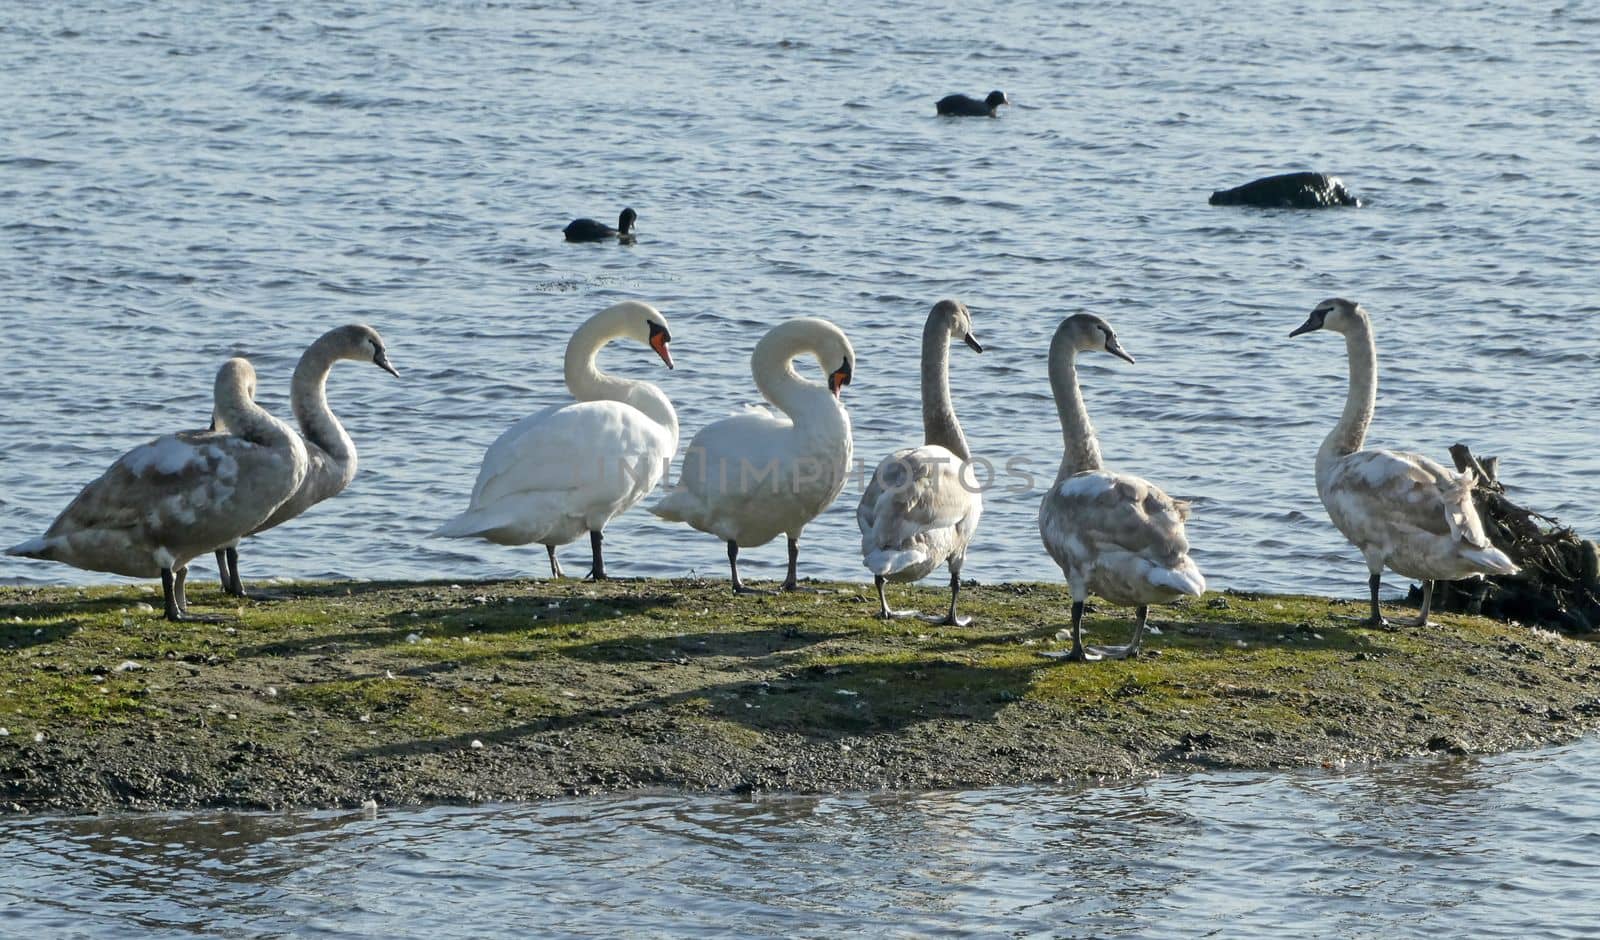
(922, 506)
(570, 469)
(1113, 535)
(176, 497)
(753, 476)
(1402, 510)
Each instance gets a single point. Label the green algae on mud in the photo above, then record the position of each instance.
(473, 691)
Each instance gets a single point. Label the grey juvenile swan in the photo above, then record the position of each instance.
(1402, 510)
(331, 453)
(1112, 534)
(920, 510)
(181, 495)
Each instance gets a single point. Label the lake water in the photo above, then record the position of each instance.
(1498, 847)
(187, 181)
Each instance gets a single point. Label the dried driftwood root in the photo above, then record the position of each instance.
(1559, 585)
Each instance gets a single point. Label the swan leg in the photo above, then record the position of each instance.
(555, 566)
(739, 587)
(1132, 649)
(169, 595)
(178, 596)
(1427, 605)
(884, 613)
(952, 619)
(598, 571)
(790, 582)
(1375, 619)
(177, 606)
(222, 566)
(1078, 654)
(235, 586)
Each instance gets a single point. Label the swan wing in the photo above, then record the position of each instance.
(1401, 491)
(166, 501)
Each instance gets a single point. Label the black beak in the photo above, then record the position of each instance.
(382, 360)
(1115, 348)
(972, 341)
(1312, 324)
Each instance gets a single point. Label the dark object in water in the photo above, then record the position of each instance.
(1559, 584)
(1288, 191)
(588, 230)
(967, 106)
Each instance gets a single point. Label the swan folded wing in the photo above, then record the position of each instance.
(599, 446)
(1105, 512)
(175, 494)
(1403, 490)
(918, 490)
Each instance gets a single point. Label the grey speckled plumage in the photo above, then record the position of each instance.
(330, 451)
(1402, 510)
(921, 508)
(176, 497)
(1113, 534)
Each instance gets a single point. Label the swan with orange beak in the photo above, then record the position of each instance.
(754, 476)
(571, 468)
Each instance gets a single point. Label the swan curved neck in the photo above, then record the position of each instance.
(308, 398)
(587, 383)
(1350, 433)
(1080, 450)
(939, 424)
(234, 410)
(772, 365)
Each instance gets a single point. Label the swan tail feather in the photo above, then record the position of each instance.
(888, 561)
(677, 506)
(33, 548)
(466, 526)
(1492, 560)
(1185, 579)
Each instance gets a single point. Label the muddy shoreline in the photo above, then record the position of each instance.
(412, 693)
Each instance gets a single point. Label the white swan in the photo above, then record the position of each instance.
(331, 453)
(1403, 511)
(920, 510)
(1112, 534)
(749, 477)
(570, 469)
(178, 496)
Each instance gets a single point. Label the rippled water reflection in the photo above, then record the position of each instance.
(1498, 847)
(183, 182)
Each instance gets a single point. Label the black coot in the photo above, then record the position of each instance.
(588, 230)
(967, 106)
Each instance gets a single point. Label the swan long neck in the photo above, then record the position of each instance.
(1350, 433)
(235, 410)
(939, 424)
(772, 365)
(308, 398)
(587, 383)
(1081, 451)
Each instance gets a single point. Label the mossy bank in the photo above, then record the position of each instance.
(472, 691)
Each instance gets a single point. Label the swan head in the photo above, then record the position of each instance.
(361, 343)
(1335, 313)
(958, 320)
(625, 221)
(996, 99)
(1085, 332)
(235, 387)
(832, 346)
(640, 322)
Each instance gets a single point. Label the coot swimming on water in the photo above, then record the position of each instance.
(588, 230)
(967, 106)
